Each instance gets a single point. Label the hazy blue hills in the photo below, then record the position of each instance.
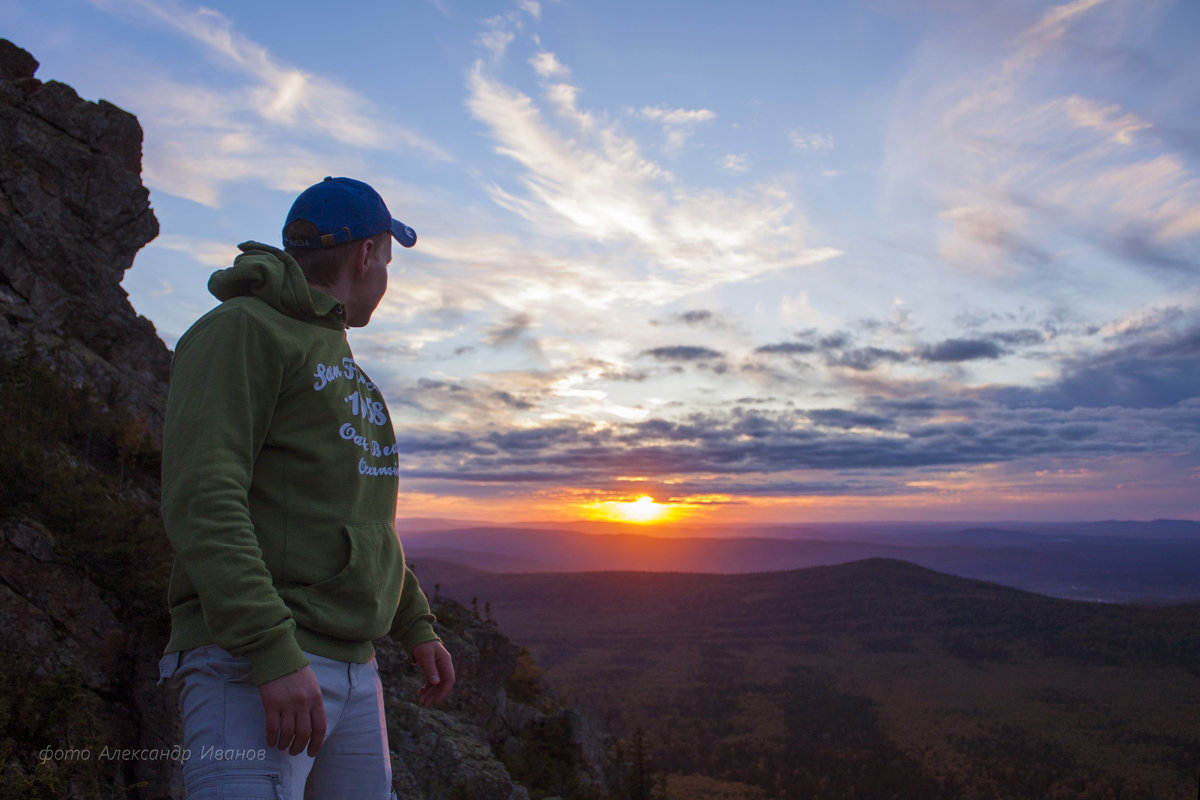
(1110, 561)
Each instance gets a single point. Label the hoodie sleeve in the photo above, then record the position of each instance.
(413, 623)
(225, 381)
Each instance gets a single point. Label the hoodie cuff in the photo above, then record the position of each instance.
(280, 657)
(419, 633)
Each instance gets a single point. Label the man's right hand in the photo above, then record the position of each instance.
(295, 712)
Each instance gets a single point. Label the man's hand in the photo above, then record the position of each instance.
(295, 712)
(436, 666)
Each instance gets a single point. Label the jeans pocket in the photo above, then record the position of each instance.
(234, 669)
(236, 784)
(218, 662)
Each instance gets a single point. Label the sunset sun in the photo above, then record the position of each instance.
(642, 511)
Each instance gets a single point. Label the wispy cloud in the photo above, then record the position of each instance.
(1021, 162)
(204, 138)
(736, 163)
(584, 178)
(496, 41)
(532, 7)
(547, 65)
(206, 251)
(811, 141)
(1052, 25)
(677, 116)
(679, 124)
(513, 330)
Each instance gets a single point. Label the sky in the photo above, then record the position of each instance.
(757, 262)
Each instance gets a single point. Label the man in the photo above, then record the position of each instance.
(279, 498)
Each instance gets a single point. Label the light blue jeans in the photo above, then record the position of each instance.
(224, 730)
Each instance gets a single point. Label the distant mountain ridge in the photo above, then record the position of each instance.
(877, 594)
(1113, 562)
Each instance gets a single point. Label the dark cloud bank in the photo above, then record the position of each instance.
(1140, 396)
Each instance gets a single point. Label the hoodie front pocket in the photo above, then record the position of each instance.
(358, 603)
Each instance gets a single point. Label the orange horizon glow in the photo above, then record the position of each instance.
(981, 492)
(642, 511)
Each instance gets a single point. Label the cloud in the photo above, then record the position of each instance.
(955, 350)
(1160, 369)
(737, 163)
(978, 233)
(677, 116)
(841, 418)
(811, 141)
(203, 138)
(697, 317)
(206, 251)
(679, 124)
(583, 179)
(787, 348)
(509, 331)
(1111, 120)
(682, 353)
(1034, 156)
(496, 41)
(1025, 336)
(731, 446)
(837, 350)
(547, 65)
(462, 404)
(1136, 396)
(513, 402)
(864, 359)
(1053, 24)
(841, 350)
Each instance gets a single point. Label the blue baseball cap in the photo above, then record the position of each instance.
(343, 210)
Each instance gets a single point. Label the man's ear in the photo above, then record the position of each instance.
(362, 260)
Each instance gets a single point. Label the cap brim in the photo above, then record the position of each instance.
(403, 234)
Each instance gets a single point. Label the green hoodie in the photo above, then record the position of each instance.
(280, 480)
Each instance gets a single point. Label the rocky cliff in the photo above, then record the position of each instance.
(73, 214)
(83, 559)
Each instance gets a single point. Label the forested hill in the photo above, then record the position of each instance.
(874, 597)
(877, 677)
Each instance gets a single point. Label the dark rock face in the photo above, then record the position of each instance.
(83, 558)
(73, 214)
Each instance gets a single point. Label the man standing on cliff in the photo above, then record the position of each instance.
(279, 498)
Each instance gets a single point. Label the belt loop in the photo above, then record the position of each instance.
(168, 665)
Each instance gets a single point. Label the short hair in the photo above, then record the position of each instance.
(321, 265)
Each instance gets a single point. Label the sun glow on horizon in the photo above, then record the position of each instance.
(643, 511)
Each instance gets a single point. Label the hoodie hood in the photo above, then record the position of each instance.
(274, 277)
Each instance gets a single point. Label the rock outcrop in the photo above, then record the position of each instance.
(487, 742)
(73, 214)
(83, 559)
